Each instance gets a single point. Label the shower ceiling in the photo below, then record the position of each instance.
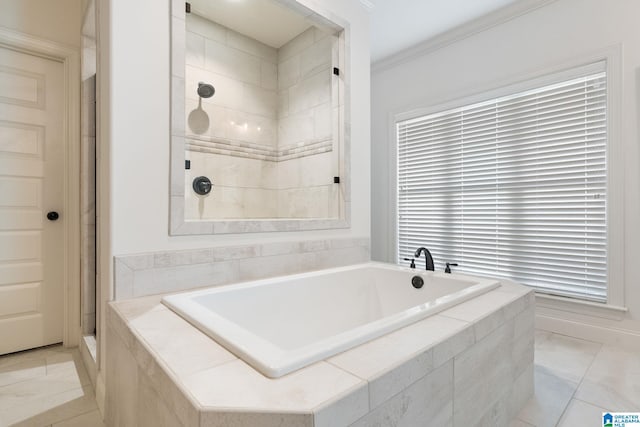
(264, 20)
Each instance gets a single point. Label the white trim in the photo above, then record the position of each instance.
(368, 5)
(522, 85)
(392, 158)
(587, 308)
(70, 59)
(615, 154)
(101, 393)
(89, 357)
(458, 33)
(585, 328)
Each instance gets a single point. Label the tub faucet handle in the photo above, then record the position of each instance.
(448, 266)
(413, 262)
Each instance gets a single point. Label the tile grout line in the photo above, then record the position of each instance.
(76, 416)
(56, 350)
(579, 383)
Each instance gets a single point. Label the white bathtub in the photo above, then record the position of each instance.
(285, 323)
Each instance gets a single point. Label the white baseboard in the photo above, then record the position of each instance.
(88, 357)
(605, 334)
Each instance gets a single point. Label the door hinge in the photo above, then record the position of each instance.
(187, 7)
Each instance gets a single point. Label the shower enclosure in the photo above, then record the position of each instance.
(261, 113)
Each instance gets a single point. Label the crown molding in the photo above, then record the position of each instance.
(460, 32)
(368, 4)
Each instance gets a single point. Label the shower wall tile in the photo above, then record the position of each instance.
(258, 203)
(307, 171)
(194, 54)
(260, 101)
(251, 46)
(228, 90)
(305, 90)
(289, 72)
(234, 203)
(252, 128)
(322, 121)
(205, 119)
(304, 202)
(295, 128)
(283, 103)
(206, 28)
(231, 62)
(297, 45)
(268, 75)
(233, 171)
(310, 92)
(139, 275)
(316, 58)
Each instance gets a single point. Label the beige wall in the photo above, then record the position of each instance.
(56, 20)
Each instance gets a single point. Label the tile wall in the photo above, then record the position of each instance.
(265, 137)
(469, 365)
(244, 74)
(304, 89)
(161, 272)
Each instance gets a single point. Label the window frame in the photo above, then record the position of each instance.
(614, 158)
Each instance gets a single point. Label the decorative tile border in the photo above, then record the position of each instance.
(257, 151)
(161, 272)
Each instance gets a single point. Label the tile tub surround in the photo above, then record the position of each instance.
(471, 364)
(161, 272)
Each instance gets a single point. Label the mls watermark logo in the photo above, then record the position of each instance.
(621, 419)
(607, 420)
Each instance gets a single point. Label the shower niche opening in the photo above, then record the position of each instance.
(263, 112)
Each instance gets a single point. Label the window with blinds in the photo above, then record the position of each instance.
(514, 187)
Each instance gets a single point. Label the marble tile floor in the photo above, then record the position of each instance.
(575, 380)
(46, 387)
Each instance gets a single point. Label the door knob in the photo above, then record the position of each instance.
(53, 215)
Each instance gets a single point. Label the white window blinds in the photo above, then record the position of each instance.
(513, 187)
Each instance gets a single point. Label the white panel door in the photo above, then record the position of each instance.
(31, 185)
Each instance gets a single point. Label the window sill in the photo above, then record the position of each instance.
(586, 308)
